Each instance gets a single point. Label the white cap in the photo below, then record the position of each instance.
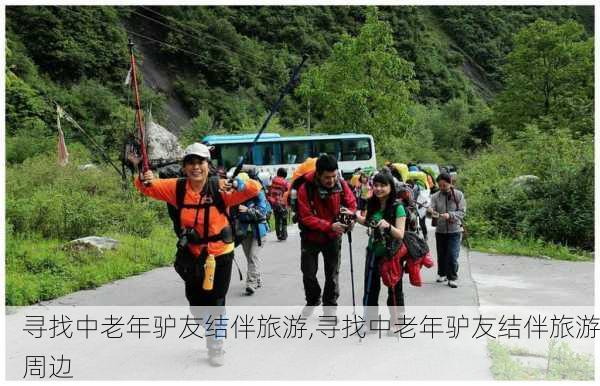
(197, 149)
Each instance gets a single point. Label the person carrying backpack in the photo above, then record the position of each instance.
(449, 207)
(364, 191)
(205, 244)
(252, 226)
(422, 200)
(321, 196)
(385, 216)
(276, 196)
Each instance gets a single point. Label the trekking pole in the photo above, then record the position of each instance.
(370, 264)
(352, 272)
(288, 88)
(394, 305)
(138, 113)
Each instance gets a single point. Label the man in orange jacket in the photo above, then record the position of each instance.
(205, 231)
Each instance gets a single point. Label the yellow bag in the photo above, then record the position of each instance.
(402, 169)
(419, 176)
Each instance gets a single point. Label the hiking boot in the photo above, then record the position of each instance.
(216, 357)
(452, 284)
(441, 279)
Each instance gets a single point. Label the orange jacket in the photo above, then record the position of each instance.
(164, 190)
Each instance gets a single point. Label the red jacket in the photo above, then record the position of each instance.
(278, 187)
(414, 268)
(391, 269)
(316, 215)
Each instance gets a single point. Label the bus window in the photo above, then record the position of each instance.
(266, 154)
(356, 149)
(331, 147)
(231, 153)
(295, 152)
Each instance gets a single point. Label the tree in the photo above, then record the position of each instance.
(364, 86)
(550, 79)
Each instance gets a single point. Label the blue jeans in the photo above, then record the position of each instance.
(448, 249)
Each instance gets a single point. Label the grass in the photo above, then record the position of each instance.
(38, 269)
(561, 363)
(529, 247)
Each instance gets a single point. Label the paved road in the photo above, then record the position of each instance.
(484, 280)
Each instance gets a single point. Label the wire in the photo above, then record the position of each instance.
(201, 58)
(170, 18)
(231, 49)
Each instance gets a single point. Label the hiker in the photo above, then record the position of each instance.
(355, 179)
(364, 191)
(206, 235)
(320, 198)
(422, 199)
(448, 209)
(252, 227)
(385, 216)
(279, 185)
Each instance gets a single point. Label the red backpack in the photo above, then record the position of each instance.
(276, 192)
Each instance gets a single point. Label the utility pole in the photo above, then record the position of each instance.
(308, 120)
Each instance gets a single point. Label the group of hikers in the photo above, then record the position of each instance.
(212, 214)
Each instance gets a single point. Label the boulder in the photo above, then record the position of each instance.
(162, 145)
(525, 182)
(88, 167)
(92, 242)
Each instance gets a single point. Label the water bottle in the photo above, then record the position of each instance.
(293, 197)
(209, 273)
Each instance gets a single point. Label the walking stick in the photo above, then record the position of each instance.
(371, 264)
(351, 272)
(394, 305)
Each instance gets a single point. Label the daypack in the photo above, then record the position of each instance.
(276, 194)
(406, 195)
(417, 247)
(253, 219)
(298, 178)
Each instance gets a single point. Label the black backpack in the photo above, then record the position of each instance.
(212, 191)
(416, 245)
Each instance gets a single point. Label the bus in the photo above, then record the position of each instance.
(273, 151)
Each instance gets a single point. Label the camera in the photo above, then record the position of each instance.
(188, 235)
(346, 218)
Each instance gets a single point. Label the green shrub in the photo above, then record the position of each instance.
(558, 207)
(67, 203)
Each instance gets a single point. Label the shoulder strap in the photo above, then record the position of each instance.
(213, 191)
(175, 211)
(180, 192)
(310, 193)
(454, 197)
